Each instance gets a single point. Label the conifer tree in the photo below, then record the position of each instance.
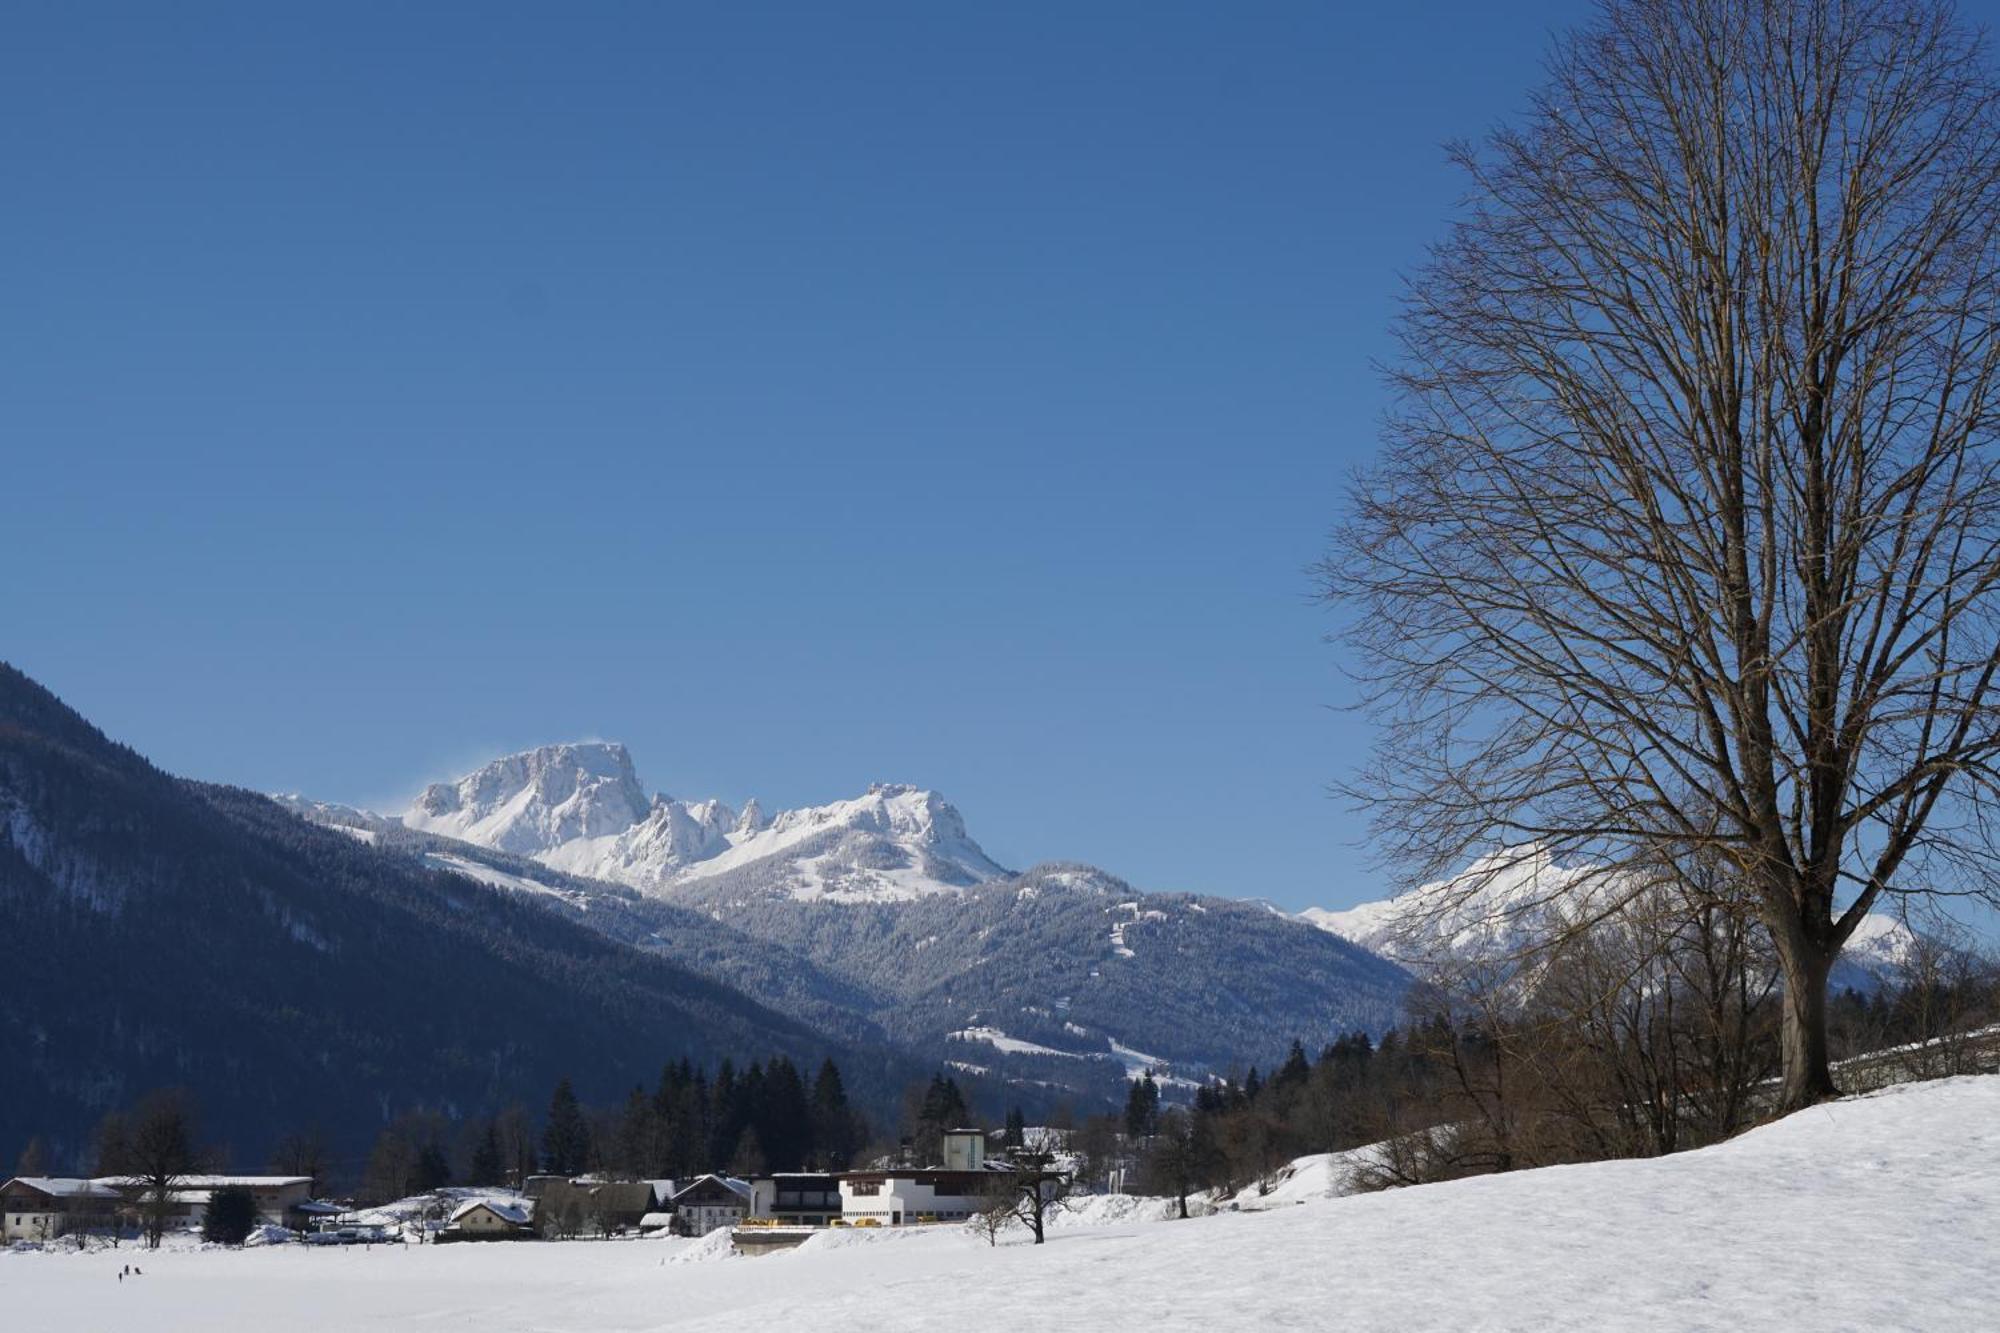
(433, 1169)
(836, 1132)
(1296, 1069)
(34, 1159)
(1142, 1107)
(489, 1164)
(566, 1136)
(230, 1217)
(783, 1117)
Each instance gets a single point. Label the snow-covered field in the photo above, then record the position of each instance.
(1877, 1213)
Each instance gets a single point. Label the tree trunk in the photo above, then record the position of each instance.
(1808, 1074)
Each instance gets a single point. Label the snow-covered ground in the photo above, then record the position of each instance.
(1881, 1212)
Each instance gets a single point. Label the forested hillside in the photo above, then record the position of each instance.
(164, 932)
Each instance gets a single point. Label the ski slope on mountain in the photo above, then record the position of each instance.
(1878, 1213)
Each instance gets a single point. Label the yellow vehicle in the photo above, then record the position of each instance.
(864, 1222)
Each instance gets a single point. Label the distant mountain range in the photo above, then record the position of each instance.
(884, 919)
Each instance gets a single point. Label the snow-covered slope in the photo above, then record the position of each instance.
(1497, 906)
(580, 808)
(1880, 1212)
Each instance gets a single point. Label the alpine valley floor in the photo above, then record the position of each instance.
(1880, 1212)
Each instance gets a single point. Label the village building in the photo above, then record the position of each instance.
(897, 1196)
(709, 1202)
(966, 1184)
(489, 1219)
(41, 1208)
(903, 1195)
(797, 1198)
(585, 1203)
(964, 1150)
(536, 1185)
(279, 1199)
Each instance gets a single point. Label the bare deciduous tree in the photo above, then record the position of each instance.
(1181, 1157)
(1033, 1190)
(305, 1153)
(993, 1212)
(1687, 532)
(160, 1153)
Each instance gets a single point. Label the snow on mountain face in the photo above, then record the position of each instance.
(1496, 907)
(580, 808)
(332, 815)
(894, 842)
(533, 802)
(1504, 903)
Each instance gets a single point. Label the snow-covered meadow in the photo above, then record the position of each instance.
(1881, 1212)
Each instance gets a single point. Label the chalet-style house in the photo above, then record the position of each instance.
(490, 1219)
(708, 1202)
(41, 1208)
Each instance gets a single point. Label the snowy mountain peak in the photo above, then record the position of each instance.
(1506, 903)
(895, 842)
(580, 808)
(1494, 907)
(535, 801)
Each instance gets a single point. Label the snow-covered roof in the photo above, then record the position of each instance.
(730, 1183)
(212, 1182)
(504, 1209)
(652, 1220)
(65, 1187)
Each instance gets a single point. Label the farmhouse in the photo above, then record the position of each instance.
(279, 1198)
(37, 1208)
(589, 1204)
(709, 1202)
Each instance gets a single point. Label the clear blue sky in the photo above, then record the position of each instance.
(805, 395)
